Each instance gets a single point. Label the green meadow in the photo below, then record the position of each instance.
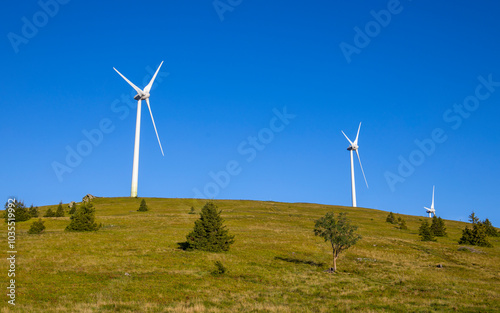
(134, 264)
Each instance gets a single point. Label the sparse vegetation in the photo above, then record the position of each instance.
(143, 207)
(209, 233)
(275, 265)
(37, 227)
(338, 232)
(83, 219)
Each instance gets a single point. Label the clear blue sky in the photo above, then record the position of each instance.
(419, 70)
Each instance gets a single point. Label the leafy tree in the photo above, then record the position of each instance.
(21, 212)
(391, 218)
(475, 236)
(37, 227)
(59, 211)
(50, 213)
(425, 232)
(143, 207)
(83, 219)
(490, 230)
(209, 233)
(33, 211)
(338, 231)
(437, 226)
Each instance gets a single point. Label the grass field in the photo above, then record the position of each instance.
(133, 264)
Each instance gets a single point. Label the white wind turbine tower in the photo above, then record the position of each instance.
(141, 95)
(431, 210)
(354, 147)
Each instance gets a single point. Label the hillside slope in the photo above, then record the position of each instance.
(133, 264)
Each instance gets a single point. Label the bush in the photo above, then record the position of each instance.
(33, 211)
(437, 226)
(425, 232)
(490, 230)
(37, 227)
(402, 223)
(83, 219)
(192, 211)
(475, 236)
(49, 213)
(59, 211)
(143, 207)
(21, 212)
(391, 218)
(209, 233)
(220, 269)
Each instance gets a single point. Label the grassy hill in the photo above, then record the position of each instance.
(133, 263)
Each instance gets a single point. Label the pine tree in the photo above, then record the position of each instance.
(476, 236)
(49, 213)
(37, 227)
(192, 211)
(72, 210)
(490, 230)
(143, 207)
(402, 224)
(59, 211)
(209, 233)
(33, 211)
(473, 218)
(83, 219)
(437, 226)
(391, 218)
(425, 232)
(20, 211)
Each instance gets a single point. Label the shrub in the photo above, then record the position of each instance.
(425, 232)
(475, 236)
(490, 230)
(37, 227)
(83, 219)
(143, 207)
(192, 211)
(220, 269)
(21, 212)
(33, 211)
(209, 233)
(402, 223)
(49, 213)
(391, 218)
(338, 231)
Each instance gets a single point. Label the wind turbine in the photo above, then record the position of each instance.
(354, 147)
(141, 95)
(431, 210)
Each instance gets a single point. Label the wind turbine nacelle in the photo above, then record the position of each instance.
(141, 97)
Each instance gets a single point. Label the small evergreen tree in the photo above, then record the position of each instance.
(49, 213)
(338, 231)
(425, 232)
(59, 211)
(490, 230)
(33, 211)
(391, 218)
(473, 218)
(143, 207)
(220, 269)
(209, 233)
(83, 219)
(37, 227)
(72, 210)
(437, 226)
(192, 211)
(476, 236)
(21, 212)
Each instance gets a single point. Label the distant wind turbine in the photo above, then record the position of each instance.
(431, 210)
(354, 147)
(141, 95)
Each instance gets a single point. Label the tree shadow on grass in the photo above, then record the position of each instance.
(183, 245)
(299, 261)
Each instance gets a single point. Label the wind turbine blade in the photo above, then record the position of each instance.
(357, 135)
(149, 107)
(148, 87)
(139, 91)
(362, 168)
(347, 138)
(432, 205)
